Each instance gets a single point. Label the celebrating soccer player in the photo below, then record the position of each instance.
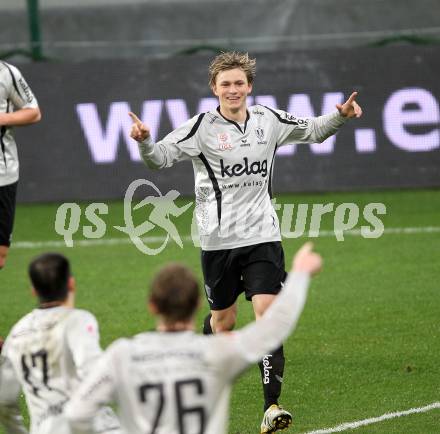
(232, 150)
(47, 353)
(18, 106)
(175, 381)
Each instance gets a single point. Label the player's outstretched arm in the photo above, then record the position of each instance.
(316, 129)
(350, 108)
(280, 319)
(181, 144)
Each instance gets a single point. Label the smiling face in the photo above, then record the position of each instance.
(232, 87)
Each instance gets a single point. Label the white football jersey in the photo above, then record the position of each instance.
(15, 94)
(233, 168)
(46, 354)
(180, 382)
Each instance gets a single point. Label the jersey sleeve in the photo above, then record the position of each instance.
(237, 350)
(292, 129)
(181, 144)
(19, 91)
(10, 415)
(83, 341)
(97, 389)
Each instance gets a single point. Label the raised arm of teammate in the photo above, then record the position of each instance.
(236, 351)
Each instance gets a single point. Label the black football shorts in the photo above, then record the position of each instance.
(256, 269)
(8, 194)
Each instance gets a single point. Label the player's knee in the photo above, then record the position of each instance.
(261, 303)
(223, 323)
(2, 262)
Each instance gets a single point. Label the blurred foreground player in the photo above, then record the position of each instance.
(174, 381)
(47, 353)
(18, 106)
(232, 149)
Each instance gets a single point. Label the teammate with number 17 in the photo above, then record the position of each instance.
(232, 149)
(47, 353)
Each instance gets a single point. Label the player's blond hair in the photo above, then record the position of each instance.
(232, 60)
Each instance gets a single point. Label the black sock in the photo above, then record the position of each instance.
(272, 369)
(207, 330)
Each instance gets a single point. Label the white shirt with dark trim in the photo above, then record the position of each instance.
(45, 355)
(176, 382)
(233, 169)
(15, 94)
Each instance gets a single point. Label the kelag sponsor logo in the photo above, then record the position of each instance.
(266, 368)
(247, 168)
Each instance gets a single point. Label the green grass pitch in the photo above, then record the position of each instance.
(368, 342)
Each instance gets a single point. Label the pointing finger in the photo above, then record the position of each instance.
(135, 119)
(352, 97)
(357, 109)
